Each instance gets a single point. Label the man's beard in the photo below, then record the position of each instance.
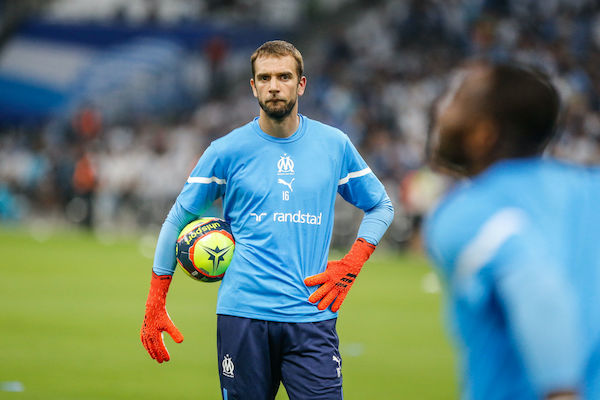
(277, 112)
(447, 154)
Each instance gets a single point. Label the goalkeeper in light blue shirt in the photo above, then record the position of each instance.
(278, 177)
(517, 244)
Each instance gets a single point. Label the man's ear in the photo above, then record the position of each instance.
(481, 141)
(254, 92)
(301, 85)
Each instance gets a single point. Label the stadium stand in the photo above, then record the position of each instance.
(139, 86)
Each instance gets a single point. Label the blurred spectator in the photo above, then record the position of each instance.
(216, 51)
(87, 123)
(10, 210)
(84, 184)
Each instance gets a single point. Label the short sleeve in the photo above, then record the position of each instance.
(357, 184)
(474, 246)
(206, 183)
(467, 232)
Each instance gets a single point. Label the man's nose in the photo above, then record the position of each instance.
(273, 85)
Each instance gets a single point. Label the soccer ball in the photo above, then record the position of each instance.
(205, 249)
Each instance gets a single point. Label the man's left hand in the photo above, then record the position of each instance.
(339, 276)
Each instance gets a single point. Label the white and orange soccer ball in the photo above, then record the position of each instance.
(205, 248)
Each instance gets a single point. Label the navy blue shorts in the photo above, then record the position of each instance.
(256, 355)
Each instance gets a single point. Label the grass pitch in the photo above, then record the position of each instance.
(72, 306)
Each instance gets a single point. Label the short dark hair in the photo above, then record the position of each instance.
(524, 105)
(278, 48)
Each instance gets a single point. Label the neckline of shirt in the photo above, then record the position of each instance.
(292, 138)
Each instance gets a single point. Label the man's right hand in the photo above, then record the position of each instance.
(157, 320)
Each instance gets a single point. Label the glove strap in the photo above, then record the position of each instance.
(159, 286)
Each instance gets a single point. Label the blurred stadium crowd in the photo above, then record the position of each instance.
(113, 148)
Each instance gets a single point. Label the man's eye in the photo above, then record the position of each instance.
(264, 78)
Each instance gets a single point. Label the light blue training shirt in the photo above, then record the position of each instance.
(278, 196)
(518, 250)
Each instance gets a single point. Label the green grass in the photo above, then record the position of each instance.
(72, 307)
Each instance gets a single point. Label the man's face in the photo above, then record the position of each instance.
(455, 118)
(276, 85)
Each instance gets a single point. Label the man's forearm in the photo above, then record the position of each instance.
(376, 221)
(164, 256)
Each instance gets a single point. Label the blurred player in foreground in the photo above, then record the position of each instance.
(278, 177)
(517, 244)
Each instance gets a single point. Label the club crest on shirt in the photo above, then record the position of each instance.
(285, 165)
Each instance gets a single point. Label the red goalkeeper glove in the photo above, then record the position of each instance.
(339, 276)
(157, 320)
